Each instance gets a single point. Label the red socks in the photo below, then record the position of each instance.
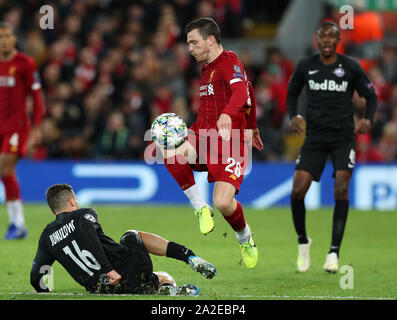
(11, 187)
(237, 220)
(181, 171)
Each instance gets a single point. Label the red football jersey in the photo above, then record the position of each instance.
(18, 79)
(223, 89)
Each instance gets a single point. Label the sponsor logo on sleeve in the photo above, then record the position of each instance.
(90, 217)
(36, 81)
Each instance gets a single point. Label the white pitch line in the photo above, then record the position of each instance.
(242, 296)
(44, 293)
(318, 297)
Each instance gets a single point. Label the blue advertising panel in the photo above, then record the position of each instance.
(267, 185)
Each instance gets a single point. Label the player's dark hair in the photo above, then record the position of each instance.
(57, 196)
(5, 24)
(328, 24)
(206, 27)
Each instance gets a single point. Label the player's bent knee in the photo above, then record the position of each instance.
(298, 192)
(131, 235)
(223, 204)
(7, 170)
(341, 193)
(134, 231)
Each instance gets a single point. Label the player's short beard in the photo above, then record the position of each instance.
(200, 58)
(203, 57)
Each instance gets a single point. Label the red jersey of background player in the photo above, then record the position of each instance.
(224, 88)
(18, 79)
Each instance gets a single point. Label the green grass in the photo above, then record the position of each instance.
(369, 246)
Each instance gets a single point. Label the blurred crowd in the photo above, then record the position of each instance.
(108, 68)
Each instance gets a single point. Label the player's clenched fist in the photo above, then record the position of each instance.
(256, 140)
(298, 124)
(362, 126)
(114, 277)
(225, 126)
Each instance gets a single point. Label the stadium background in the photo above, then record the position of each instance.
(108, 68)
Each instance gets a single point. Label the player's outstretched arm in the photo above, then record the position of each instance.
(251, 120)
(365, 89)
(294, 89)
(41, 266)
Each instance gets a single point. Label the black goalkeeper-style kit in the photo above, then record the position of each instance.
(76, 240)
(329, 110)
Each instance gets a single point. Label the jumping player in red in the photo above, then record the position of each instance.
(18, 79)
(227, 108)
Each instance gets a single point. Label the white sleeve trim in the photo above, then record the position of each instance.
(235, 80)
(36, 86)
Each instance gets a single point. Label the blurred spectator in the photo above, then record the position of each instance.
(113, 143)
(168, 26)
(278, 93)
(250, 68)
(86, 68)
(271, 136)
(285, 66)
(366, 151)
(388, 142)
(36, 47)
(229, 13)
(388, 63)
(382, 86)
(194, 98)
(386, 113)
(179, 107)
(51, 141)
(206, 8)
(161, 101)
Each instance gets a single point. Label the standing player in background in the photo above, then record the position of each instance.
(330, 80)
(226, 103)
(18, 79)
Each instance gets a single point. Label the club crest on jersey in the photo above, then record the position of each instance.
(12, 70)
(237, 72)
(211, 76)
(236, 68)
(339, 72)
(104, 279)
(36, 81)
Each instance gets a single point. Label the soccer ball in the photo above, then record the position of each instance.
(169, 131)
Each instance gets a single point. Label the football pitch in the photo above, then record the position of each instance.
(368, 249)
